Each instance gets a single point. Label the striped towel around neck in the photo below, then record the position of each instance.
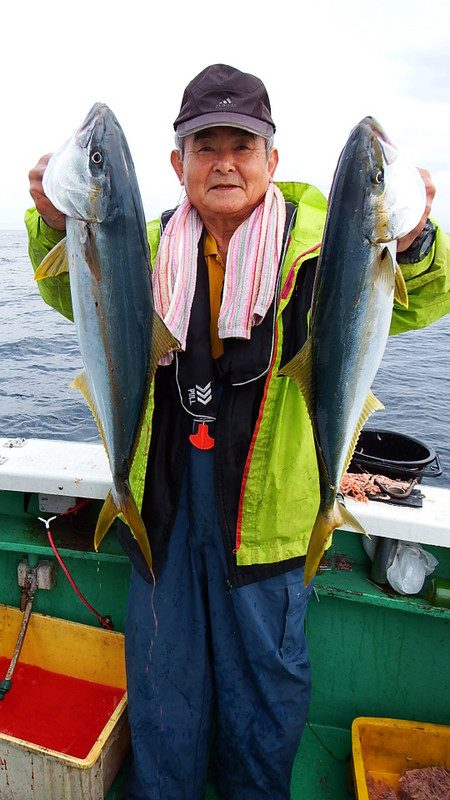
(251, 270)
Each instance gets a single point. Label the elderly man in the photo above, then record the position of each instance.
(216, 653)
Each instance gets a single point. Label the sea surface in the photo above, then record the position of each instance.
(39, 356)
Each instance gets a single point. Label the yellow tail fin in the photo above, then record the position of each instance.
(326, 522)
(128, 508)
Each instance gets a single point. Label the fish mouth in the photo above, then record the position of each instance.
(388, 148)
(84, 133)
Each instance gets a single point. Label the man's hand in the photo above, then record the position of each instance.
(54, 218)
(406, 241)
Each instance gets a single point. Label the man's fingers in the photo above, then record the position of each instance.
(54, 218)
(430, 191)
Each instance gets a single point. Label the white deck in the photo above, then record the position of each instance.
(69, 469)
(78, 469)
(427, 525)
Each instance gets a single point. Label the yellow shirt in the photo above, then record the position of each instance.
(216, 276)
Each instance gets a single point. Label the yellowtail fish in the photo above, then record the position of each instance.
(92, 180)
(376, 198)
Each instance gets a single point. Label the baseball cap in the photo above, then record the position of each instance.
(223, 95)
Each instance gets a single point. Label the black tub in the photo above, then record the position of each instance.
(394, 455)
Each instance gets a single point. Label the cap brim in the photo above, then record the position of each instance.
(226, 119)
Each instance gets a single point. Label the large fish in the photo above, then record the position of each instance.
(92, 180)
(376, 198)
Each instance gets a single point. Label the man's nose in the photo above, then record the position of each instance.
(224, 161)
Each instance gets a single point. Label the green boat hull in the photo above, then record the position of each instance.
(373, 653)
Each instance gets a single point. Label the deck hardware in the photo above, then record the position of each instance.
(14, 442)
(30, 578)
(46, 573)
(55, 503)
(47, 521)
(6, 683)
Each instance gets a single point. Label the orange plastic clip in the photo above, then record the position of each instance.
(202, 440)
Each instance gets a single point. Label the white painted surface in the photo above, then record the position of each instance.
(427, 525)
(76, 469)
(81, 469)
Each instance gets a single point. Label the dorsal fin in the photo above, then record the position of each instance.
(299, 369)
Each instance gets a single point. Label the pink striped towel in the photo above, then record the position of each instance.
(250, 275)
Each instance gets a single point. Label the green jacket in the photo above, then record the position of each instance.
(280, 489)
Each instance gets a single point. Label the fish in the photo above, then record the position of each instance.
(92, 180)
(376, 197)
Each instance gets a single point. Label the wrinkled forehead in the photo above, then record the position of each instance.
(223, 134)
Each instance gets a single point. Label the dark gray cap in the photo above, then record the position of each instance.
(223, 95)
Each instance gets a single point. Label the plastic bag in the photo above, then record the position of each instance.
(410, 566)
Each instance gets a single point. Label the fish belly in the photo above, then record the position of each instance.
(113, 326)
(349, 350)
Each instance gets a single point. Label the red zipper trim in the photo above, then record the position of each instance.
(290, 276)
(252, 445)
(284, 293)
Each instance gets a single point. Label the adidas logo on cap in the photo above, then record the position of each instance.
(227, 103)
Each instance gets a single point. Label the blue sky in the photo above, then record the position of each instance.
(326, 65)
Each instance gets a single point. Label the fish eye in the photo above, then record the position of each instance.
(96, 157)
(378, 176)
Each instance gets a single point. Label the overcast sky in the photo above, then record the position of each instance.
(325, 64)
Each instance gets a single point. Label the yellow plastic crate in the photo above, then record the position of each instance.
(31, 772)
(385, 748)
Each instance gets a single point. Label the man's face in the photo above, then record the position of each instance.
(225, 171)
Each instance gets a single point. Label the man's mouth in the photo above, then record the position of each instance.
(223, 187)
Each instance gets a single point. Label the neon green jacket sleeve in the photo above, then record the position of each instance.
(428, 284)
(41, 239)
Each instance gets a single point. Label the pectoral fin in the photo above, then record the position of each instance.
(387, 268)
(384, 276)
(55, 262)
(400, 290)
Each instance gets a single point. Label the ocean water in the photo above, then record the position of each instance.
(39, 356)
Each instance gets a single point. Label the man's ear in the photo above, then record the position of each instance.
(273, 161)
(177, 164)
